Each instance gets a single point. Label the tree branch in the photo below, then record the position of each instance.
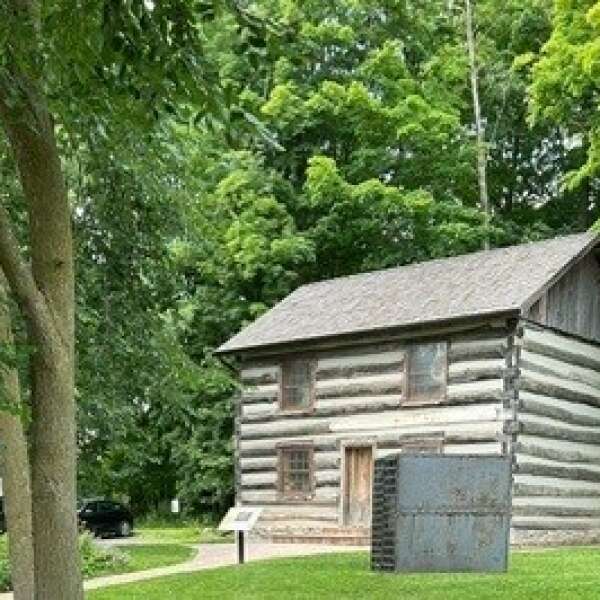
(21, 281)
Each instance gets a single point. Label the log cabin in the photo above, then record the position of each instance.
(493, 353)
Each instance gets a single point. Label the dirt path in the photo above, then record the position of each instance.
(210, 556)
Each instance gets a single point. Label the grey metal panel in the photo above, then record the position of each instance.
(451, 513)
(434, 483)
(451, 542)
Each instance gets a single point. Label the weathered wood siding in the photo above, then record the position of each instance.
(360, 398)
(556, 494)
(572, 304)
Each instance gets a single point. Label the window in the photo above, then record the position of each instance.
(426, 373)
(297, 385)
(296, 472)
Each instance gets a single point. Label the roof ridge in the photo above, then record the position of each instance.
(452, 258)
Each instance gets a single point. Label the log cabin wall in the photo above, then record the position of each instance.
(360, 400)
(556, 495)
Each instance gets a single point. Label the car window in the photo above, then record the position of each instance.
(105, 506)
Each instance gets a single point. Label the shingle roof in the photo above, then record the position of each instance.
(480, 283)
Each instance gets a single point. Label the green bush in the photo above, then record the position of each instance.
(94, 560)
(5, 584)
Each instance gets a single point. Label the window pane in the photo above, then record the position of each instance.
(427, 371)
(297, 375)
(296, 471)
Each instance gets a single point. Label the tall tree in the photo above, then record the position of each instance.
(479, 122)
(69, 73)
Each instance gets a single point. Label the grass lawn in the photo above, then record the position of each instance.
(566, 574)
(143, 557)
(191, 534)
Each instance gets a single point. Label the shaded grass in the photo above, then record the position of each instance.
(190, 534)
(566, 574)
(143, 557)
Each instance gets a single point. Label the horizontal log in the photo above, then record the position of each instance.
(322, 460)
(534, 485)
(262, 408)
(561, 347)
(476, 370)
(257, 486)
(556, 387)
(488, 449)
(348, 406)
(322, 477)
(359, 370)
(361, 355)
(272, 498)
(259, 371)
(554, 449)
(260, 394)
(533, 465)
(560, 368)
(299, 512)
(555, 523)
(554, 429)
(352, 405)
(478, 391)
(287, 428)
(559, 507)
(567, 411)
(487, 348)
(363, 386)
(268, 448)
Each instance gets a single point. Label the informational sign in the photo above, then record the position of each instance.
(175, 508)
(240, 518)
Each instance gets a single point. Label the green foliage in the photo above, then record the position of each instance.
(5, 583)
(219, 154)
(564, 87)
(96, 560)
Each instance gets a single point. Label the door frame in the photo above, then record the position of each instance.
(348, 444)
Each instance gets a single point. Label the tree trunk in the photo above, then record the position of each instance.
(479, 126)
(45, 293)
(15, 463)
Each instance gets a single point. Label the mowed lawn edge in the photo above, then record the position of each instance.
(569, 573)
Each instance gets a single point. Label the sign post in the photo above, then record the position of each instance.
(240, 519)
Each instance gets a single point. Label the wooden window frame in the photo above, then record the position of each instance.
(312, 365)
(407, 398)
(291, 447)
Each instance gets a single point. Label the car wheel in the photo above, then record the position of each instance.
(124, 529)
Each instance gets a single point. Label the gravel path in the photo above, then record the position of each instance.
(210, 556)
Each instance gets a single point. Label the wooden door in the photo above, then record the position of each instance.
(357, 486)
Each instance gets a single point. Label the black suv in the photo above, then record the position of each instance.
(105, 517)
